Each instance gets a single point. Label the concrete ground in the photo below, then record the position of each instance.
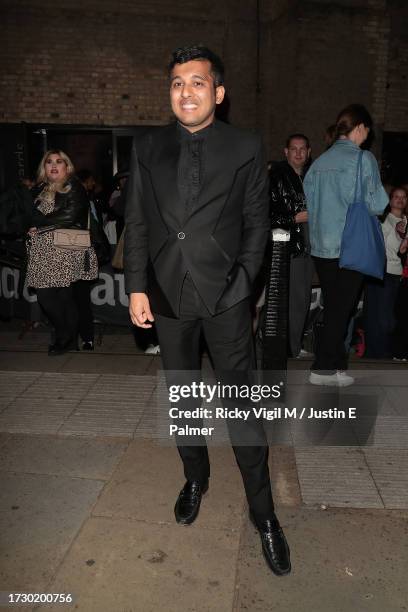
(87, 495)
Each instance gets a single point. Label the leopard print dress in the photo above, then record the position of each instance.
(49, 266)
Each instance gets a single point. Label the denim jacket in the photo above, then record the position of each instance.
(329, 188)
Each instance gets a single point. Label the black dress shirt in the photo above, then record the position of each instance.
(191, 164)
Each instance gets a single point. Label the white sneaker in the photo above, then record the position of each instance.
(304, 354)
(153, 349)
(330, 380)
(339, 379)
(344, 379)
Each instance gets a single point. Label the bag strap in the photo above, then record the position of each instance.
(358, 189)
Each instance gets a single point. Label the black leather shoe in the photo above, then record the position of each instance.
(274, 545)
(188, 502)
(59, 348)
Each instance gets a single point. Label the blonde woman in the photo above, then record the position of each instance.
(60, 202)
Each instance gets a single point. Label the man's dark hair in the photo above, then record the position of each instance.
(199, 52)
(297, 135)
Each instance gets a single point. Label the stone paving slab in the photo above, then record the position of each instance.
(4, 437)
(113, 407)
(336, 476)
(342, 560)
(389, 469)
(284, 478)
(395, 375)
(13, 384)
(26, 415)
(368, 400)
(134, 566)
(397, 396)
(148, 426)
(130, 388)
(39, 518)
(58, 456)
(96, 418)
(58, 386)
(149, 477)
(114, 364)
(26, 361)
(389, 431)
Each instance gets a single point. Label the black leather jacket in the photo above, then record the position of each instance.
(287, 198)
(71, 208)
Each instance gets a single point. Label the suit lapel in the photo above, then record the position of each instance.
(222, 159)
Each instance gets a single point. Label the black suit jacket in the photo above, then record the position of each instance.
(220, 242)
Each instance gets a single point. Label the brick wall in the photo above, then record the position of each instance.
(104, 62)
(396, 116)
(318, 58)
(101, 62)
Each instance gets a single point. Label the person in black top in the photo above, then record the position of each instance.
(288, 211)
(195, 234)
(59, 202)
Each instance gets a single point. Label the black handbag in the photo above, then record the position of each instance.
(99, 242)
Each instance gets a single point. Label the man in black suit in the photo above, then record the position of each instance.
(196, 229)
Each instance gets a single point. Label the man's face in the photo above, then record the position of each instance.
(297, 153)
(193, 95)
(89, 184)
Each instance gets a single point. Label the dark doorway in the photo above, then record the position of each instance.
(394, 169)
(103, 151)
(91, 150)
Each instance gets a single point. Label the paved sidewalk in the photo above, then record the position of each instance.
(88, 493)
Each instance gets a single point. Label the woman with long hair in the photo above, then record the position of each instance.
(60, 202)
(329, 188)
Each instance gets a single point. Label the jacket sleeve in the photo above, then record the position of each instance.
(280, 215)
(375, 195)
(308, 188)
(136, 235)
(71, 212)
(256, 222)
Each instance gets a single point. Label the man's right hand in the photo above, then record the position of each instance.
(139, 310)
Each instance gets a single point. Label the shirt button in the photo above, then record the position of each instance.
(181, 235)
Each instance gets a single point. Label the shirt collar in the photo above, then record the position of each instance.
(346, 142)
(185, 134)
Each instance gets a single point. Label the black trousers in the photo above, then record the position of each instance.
(61, 310)
(400, 336)
(230, 343)
(82, 297)
(379, 319)
(300, 289)
(341, 289)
